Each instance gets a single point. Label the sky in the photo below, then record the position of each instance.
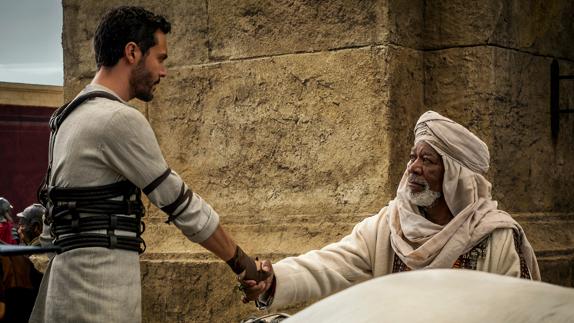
(31, 42)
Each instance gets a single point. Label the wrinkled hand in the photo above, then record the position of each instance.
(251, 288)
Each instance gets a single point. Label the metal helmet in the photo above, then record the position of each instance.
(32, 214)
(5, 206)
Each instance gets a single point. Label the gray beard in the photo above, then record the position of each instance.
(425, 198)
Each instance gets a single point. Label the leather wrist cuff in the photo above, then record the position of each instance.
(241, 262)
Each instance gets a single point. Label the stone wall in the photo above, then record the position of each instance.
(294, 120)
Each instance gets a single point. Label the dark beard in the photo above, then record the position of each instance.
(142, 82)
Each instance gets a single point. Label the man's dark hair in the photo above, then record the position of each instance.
(122, 25)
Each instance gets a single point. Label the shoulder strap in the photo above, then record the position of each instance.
(64, 111)
(56, 121)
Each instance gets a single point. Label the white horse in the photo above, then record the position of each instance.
(444, 295)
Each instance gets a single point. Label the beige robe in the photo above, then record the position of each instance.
(364, 254)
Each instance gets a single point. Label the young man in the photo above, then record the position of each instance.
(104, 151)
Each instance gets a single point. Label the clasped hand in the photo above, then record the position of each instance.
(251, 288)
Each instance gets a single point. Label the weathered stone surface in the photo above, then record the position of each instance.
(531, 168)
(187, 41)
(503, 96)
(286, 235)
(551, 234)
(460, 23)
(240, 29)
(402, 22)
(198, 291)
(260, 137)
(536, 26)
(220, 30)
(557, 270)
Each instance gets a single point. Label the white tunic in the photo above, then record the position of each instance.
(364, 254)
(103, 142)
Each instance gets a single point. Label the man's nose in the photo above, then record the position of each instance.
(415, 167)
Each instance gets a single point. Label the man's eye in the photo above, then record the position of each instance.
(412, 157)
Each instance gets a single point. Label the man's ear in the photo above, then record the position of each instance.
(132, 52)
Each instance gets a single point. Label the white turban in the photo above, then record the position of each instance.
(423, 244)
(451, 139)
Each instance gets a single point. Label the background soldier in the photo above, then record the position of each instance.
(30, 224)
(6, 222)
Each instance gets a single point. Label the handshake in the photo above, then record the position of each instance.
(255, 278)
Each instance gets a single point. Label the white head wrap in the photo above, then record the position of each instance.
(423, 244)
(451, 139)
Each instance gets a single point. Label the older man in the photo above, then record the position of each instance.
(442, 217)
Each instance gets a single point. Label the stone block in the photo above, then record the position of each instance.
(557, 270)
(503, 96)
(254, 28)
(285, 235)
(193, 291)
(402, 22)
(302, 134)
(187, 42)
(551, 234)
(540, 27)
(460, 23)
(536, 26)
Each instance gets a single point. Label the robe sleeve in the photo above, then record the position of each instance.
(337, 266)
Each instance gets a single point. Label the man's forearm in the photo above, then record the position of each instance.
(220, 244)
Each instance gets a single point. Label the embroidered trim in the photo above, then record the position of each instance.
(524, 272)
(469, 260)
(399, 265)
